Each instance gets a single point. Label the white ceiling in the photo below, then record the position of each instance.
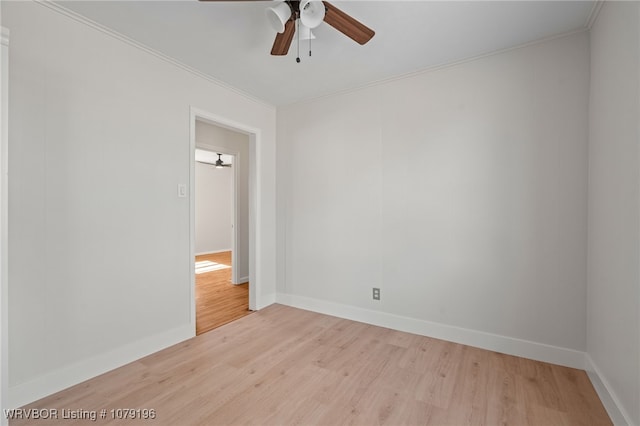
(230, 41)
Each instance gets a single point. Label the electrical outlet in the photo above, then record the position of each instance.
(376, 293)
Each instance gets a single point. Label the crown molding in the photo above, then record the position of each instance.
(593, 15)
(112, 33)
(433, 68)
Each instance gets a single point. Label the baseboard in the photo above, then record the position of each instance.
(243, 280)
(212, 252)
(266, 300)
(618, 414)
(503, 344)
(71, 375)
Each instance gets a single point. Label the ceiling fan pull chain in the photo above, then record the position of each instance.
(309, 41)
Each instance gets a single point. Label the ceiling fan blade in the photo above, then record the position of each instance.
(347, 25)
(283, 39)
(232, 0)
(204, 162)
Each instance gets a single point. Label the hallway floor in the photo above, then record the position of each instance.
(218, 302)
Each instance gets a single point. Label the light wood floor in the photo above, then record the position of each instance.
(218, 302)
(285, 366)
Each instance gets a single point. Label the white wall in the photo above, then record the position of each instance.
(99, 241)
(209, 135)
(214, 208)
(460, 192)
(613, 326)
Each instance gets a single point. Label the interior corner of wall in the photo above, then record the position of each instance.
(611, 402)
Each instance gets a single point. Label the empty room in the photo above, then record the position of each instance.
(440, 213)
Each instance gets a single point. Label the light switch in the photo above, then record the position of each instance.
(182, 190)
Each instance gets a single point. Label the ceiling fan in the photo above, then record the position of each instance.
(218, 164)
(309, 14)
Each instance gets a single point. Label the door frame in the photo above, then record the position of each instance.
(255, 274)
(235, 213)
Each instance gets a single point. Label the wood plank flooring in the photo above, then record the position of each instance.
(218, 302)
(286, 366)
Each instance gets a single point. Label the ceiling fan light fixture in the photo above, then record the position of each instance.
(278, 16)
(312, 12)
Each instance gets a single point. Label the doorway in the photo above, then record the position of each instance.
(217, 184)
(222, 288)
(223, 274)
